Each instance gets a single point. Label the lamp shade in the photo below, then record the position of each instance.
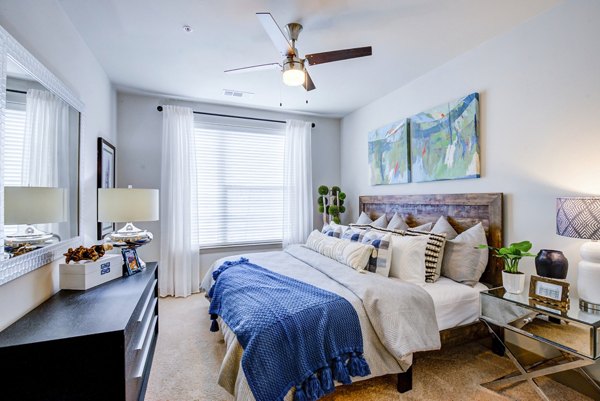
(578, 217)
(127, 204)
(34, 205)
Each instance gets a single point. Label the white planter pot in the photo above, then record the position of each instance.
(513, 283)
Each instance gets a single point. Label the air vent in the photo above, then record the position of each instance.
(237, 94)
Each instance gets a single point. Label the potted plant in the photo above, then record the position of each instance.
(513, 280)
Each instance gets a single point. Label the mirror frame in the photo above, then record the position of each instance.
(13, 268)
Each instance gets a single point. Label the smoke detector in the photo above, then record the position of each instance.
(187, 28)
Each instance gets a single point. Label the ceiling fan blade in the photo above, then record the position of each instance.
(308, 82)
(260, 67)
(275, 33)
(337, 55)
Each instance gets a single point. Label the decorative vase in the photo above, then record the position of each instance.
(513, 283)
(552, 264)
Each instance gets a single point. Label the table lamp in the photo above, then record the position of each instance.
(579, 217)
(128, 205)
(24, 206)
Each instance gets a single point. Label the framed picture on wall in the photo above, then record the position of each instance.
(107, 156)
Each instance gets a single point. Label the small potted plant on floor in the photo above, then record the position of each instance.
(513, 280)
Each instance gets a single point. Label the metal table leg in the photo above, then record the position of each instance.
(525, 374)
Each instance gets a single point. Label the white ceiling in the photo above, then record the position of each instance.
(142, 46)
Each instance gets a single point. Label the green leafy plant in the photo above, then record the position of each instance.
(511, 254)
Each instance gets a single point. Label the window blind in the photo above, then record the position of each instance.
(13, 146)
(14, 138)
(240, 184)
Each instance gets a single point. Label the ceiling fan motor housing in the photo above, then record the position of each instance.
(293, 63)
(293, 71)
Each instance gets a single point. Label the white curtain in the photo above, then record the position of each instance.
(45, 161)
(297, 181)
(179, 270)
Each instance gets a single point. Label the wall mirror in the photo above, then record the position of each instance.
(40, 125)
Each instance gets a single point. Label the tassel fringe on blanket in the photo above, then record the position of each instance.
(321, 383)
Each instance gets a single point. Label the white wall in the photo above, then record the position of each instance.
(42, 28)
(540, 126)
(139, 154)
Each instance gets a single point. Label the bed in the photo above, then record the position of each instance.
(455, 305)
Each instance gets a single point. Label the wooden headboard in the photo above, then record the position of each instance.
(462, 210)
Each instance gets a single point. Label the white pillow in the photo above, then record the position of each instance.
(397, 223)
(463, 262)
(443, 227)
(423, 227)
(408, 258)
(381, 222)
(364, 219)
(352, 254)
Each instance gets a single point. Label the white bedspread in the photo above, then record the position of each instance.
(389, 336)
(456, 304)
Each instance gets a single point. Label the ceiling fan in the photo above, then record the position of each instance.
(293, 66)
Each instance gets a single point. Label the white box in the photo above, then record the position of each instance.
(82, 276)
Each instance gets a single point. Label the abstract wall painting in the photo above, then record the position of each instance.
(444, 141)
(388, 154)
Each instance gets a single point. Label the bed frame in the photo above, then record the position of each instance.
(462, 211)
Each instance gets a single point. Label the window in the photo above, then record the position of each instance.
(240, 184)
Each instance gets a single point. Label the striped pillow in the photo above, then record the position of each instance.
(332, 231)
(354, 234)
(434, 252)
(381, 259)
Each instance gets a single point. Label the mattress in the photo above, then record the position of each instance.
(455, 304)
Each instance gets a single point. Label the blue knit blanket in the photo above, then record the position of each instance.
(293, 334)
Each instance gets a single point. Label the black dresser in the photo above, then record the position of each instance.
(84, 345)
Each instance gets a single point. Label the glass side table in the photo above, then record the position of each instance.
(574, 333)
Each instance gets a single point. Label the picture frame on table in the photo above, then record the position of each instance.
(107, 158)
(131, 261)
(550, 292)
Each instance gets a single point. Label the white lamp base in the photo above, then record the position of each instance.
(588, 277)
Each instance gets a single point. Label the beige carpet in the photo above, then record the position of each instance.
(188, 355)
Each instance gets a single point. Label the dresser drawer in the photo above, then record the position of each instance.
(139, 364)
(141, 316)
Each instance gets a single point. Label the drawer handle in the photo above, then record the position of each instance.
(140, 370)
(150, 294)
(140, 343)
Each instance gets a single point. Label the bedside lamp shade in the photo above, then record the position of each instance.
(127, 204)
(34, 205)
(579, 217)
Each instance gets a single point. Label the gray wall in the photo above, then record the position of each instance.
(139, 125)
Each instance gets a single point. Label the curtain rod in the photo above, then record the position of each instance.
(16, 91)
(160, 108)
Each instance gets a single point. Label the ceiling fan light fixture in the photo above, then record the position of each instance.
(293, 73)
